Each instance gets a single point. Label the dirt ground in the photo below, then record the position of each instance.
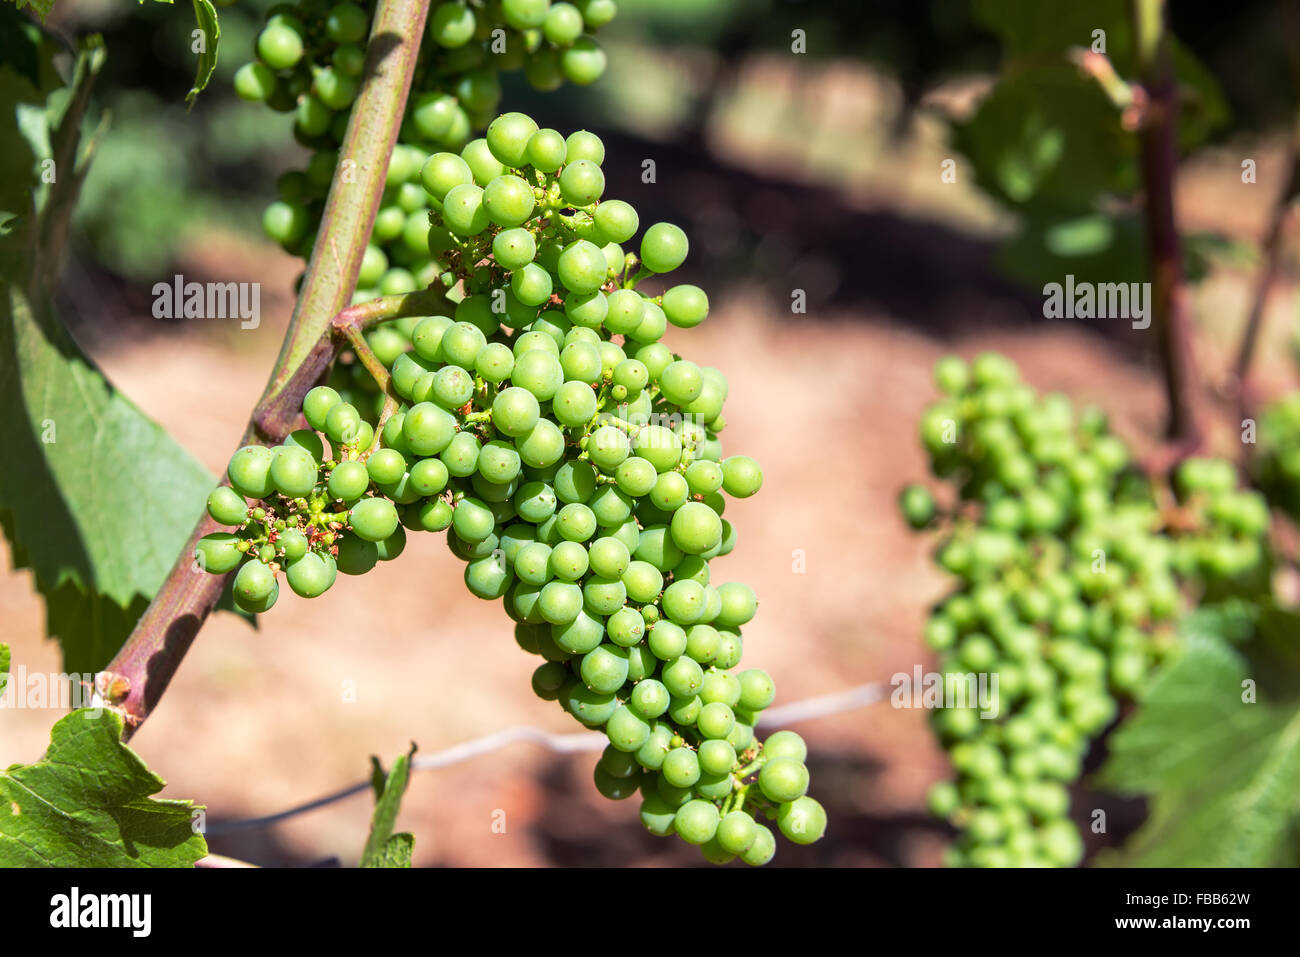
(258, 721)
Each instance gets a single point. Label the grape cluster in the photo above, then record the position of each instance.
(574, 461)
(310, 60)
(1072, 567)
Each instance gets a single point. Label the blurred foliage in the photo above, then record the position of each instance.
(1203, 711)
(96, 548)
(165, 176)
(1064, 152)
(1049, 142)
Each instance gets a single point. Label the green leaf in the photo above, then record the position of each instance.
(384, 848)
(87, 803)
(1222, 775)
(105, 499)
(206, 15)
(4, 667)
(378, 776)
(42, 7)
(1047, 134)
(97, 499)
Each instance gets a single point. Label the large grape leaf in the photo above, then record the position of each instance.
(1048, 134)
(87, 803)
(1222, 775)
(95, 498)
(383, 847)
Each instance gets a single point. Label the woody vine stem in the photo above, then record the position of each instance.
(320, 326)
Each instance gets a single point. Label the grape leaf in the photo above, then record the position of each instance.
(97, 499)
(1048, 134)
(42, 7)
(383, 847)
(1222, 775)
(87, 803)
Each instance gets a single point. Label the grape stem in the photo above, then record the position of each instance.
(156, 646)
(352, 334)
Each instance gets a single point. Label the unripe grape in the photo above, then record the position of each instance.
(279, 46)
(218, 552)
(373, 519)
(584, 145)
(803, 820)
(663, 247)
(681, 769)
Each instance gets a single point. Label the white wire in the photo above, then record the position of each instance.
(819, 707)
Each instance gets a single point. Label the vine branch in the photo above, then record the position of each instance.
(1238, 385)
(1159, 164)
(155, 648)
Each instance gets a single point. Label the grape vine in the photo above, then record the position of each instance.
(1073, 567)
(580, 478)
(309, 62)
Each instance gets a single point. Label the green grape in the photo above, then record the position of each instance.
(762, 850)
(373, 519)
(716, 756)
(696, 821)
(663, 247)
(508, 137)
(696, 528)
(680, 768)
(249, 472)
(292, 471)
(581, 266)
(562, 24)
(649, 699)
(218, 552)
(684, 710)
(227, 507)
(451, 25)
(515, 411)
(658, 816)
(463, 210)
(545, 150)
(581, 184)
(254, 82)
(508, 200)
(254, 582)
(309, 576)
(514, 249)
(626, 730)
(584, 145)
(349, 481)
(667, 641)
(279, 46)
(682, 677)
(685, 306)
(443, 172)
(803, 820)
(590, 707)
